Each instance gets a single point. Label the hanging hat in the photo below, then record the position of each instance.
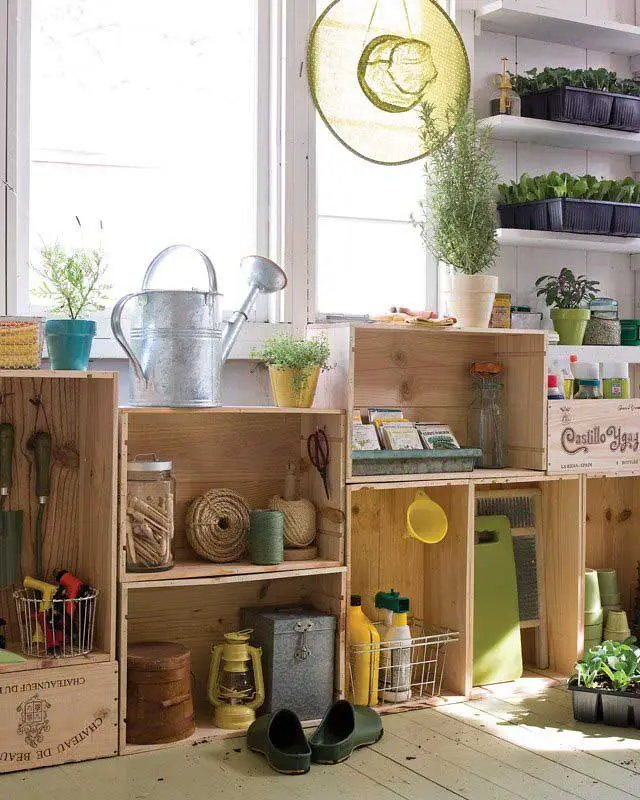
(371, 65)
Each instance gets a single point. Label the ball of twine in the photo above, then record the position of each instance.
(218, 526)
(299, 520)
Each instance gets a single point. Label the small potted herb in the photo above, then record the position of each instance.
(458, 222)
(567, 296)
(294, 367)
(581, 96)
(606, 684)
(72, 280)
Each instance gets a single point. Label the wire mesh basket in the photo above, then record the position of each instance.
(21, 342)
(404, 671)
(57, 628)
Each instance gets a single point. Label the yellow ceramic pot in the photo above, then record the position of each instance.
(284, 390)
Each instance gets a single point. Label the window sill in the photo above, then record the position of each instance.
(251, 335)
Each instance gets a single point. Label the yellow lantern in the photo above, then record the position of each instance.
(236, 684)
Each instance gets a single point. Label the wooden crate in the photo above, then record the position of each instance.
(427, 374)
(56, 716)
(197, 612)
(602, 436)
(79, 531)
(247, 450)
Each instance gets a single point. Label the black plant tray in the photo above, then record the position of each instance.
(626, 219)
(620, 112)
(619, 709)
(567, 215)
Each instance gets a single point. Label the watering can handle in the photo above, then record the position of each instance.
(116, 327)
(213, 281)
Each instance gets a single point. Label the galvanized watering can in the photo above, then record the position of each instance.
(178, 342)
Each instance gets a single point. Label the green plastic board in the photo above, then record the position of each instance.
(497, 650)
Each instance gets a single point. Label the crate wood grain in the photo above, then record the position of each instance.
(80, 518)
(57, 716)
(599, 436)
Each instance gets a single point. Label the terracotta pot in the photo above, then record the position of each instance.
(285, 393)
(470, 299)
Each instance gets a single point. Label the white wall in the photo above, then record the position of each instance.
(519, 267)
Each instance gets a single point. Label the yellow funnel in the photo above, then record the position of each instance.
(426, 520)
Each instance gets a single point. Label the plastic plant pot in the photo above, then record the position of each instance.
(626, 219)
(591, 591)
(570, 325)
(69, 342)
(618, 621)
(507, 214)
(621, 709)
(532, 216)
(570, 104)
(580, 216)
(608, 583)
(587, 706)
(593, 617)
(625, 114)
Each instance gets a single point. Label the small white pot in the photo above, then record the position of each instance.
(470, 299)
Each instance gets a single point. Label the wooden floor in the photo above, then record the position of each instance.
(514, 741)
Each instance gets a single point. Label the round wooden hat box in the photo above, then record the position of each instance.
(159, 697)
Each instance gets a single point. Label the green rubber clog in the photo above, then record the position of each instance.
(345, 727)
(280, 738)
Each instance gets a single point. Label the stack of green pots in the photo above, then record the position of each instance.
(593, 614)
(609, 594)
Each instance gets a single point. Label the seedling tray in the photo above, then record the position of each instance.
(619, 709)
(584, 107)
(567, 215)
(413, 462)
(626, 219)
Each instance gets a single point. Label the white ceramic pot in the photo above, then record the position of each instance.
(470, 299)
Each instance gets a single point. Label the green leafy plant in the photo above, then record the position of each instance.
(565, 290)
(72, 280)
(580, 187)
(458, 223)
(297, 354)
(601, 79)
(610, 665)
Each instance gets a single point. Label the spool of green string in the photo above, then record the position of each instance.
(266, 537)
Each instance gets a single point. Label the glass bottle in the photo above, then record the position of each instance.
(589, 390)
(488, 419)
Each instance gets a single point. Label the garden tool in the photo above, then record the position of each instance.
(10, 521)
(71, 588)
(41, 446)
(426, 520)
(48, 592)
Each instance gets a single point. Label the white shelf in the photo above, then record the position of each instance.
(560, 134)
(568, 241)
(532, 21)
(623, 354)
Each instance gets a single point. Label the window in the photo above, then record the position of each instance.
(144, 128)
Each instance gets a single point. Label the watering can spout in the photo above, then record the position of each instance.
(265, 277)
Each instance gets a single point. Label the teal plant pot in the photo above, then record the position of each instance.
(69, 342)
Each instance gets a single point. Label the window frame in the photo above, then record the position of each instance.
(286, 211)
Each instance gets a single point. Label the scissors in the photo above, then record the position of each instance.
(318, 450)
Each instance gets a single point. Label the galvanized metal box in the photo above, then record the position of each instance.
(298, 652)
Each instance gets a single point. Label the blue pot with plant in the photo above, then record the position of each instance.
(72, 281)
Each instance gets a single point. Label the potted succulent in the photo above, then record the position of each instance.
(72, 282)
(567, 295)
(580, 96)
(606, 684)
(294, 367)
(458, 220)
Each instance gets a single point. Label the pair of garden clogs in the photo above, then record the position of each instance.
(280, 738)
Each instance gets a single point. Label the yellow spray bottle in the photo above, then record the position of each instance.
(364, 641)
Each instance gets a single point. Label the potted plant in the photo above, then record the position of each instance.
(581, 96)
(567, 295)
(294, 367)
(571, 203)
(72, 281)
(606, 684)
(458, 220)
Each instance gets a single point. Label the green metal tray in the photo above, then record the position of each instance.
(413, 462)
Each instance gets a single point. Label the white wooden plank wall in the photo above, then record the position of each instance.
(519, 267)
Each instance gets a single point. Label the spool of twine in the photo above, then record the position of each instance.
(299, 520)
(266, 537)
(218, 526)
